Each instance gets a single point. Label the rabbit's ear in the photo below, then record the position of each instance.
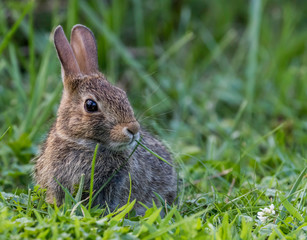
(84, 46)
(66, 55)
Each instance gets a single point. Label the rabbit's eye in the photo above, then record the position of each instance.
(90, 105)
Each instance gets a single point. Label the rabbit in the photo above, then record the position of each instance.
(92, 111)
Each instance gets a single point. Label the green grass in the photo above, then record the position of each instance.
(223, 84)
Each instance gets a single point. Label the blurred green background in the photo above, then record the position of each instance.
(222, 82)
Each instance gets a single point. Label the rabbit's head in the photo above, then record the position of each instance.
(91, 110)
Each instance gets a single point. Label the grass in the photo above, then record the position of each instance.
(224, 85)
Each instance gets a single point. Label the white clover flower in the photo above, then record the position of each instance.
(265, 213)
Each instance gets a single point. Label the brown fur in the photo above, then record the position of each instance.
(69, 148)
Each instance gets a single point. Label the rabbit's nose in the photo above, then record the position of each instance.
(133, 128)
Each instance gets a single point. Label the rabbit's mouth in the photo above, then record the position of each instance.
(124, 136)
(121, 146)
(134, 139)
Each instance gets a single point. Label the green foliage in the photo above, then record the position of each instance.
(224, 84)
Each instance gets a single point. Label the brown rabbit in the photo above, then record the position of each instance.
(94, 111)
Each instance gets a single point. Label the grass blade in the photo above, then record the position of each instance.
(80, 190)
(2, 136)
(72, 15)
(33, 112)
(173, 49)
(124, 211)
(259, 140)
(290, 194)
(255, 14)
(31, 50)
(92, 177)
(9, 35)
(159, 232)
(155, 154)
(16, 76)
(291, 209)
(66, 191)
